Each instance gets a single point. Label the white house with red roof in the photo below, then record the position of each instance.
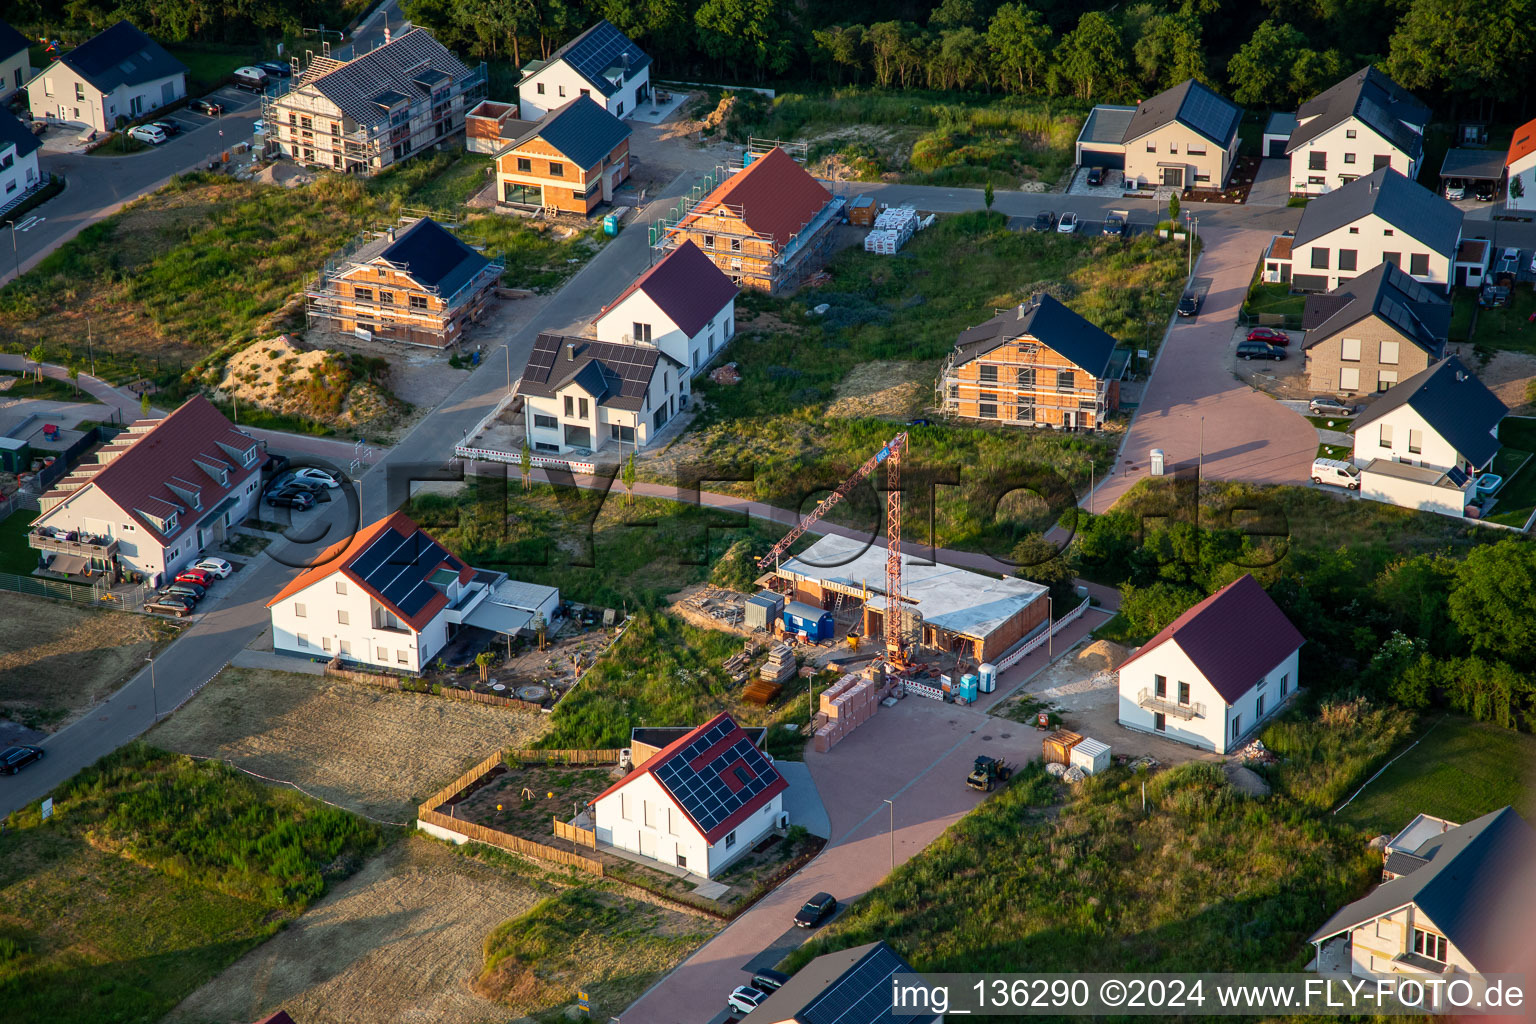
(1214, 675)
(156, 496)
(391, 596)
(1520, 165)
(684, 305)
(698, 803)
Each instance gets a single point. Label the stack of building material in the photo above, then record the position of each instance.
(780, 664)
(846, 705)
(882, 242)
(760, 691)
(900, 219)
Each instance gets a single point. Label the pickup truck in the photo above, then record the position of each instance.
(1116, 222)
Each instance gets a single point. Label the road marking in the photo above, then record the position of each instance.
(30, 223)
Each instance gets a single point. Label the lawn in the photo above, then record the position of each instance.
(1517, 497)
(1274, 299)
(1508, 327)
(1459, 770)
(15, 556)
(210, 65)
(154, 873)
(1463, 309)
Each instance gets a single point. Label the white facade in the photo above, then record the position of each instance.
(641, 817)
(1354, 248)
(1190, 709)
(638, 312)
(1350, 149)
(573, 420)
(336, 616)
(558, 82)
(1427, 490)
(1402, 435)
(18, 173)
(15, 70)
(1523, 168)
(61, 93)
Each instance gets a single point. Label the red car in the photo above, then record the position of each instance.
(197, 576)
(1270, 335)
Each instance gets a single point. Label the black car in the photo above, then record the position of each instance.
(208, 107)
(275, 464)
(1044, 221)
(14, 759)
(816, 910)
(195, 591)
(1095, 176)
(276, 68)
(170, 597)
(293, 486)
(1259, 350)
(169, 127)
(301, 500)
(1189, 305)
(1485, 191)
(769, 981)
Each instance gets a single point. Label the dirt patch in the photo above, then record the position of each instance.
(1507, 375)
(524, 801)
(886, 389)
(378, 752)
(285, 376)
(1101, 655)
(417, 376)
(68, 658)
(400, 940)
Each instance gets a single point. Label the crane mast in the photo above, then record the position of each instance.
(890, 454)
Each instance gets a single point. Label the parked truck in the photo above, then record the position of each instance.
(1116, 222)
(986, 771)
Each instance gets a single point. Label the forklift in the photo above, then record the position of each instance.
(986, 771)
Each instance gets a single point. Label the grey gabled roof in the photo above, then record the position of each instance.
(1473, 872)
(1418, 313)
(615, 375)
(1454, 403)
(850, 986)
(581, 128)
(1379, 103)
(1197, 107)
(13, 132)
(1408, 206)
(597, 53)
(402, 69)
(121, 55)
(1049, 322)
(432, 255)
(1106, 123)
(11, 41)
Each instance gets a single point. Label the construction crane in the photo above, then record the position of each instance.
(890, 455)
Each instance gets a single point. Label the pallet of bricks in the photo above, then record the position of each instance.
(846, 705)
(893, 229)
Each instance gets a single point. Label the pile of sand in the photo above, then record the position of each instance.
(281, 173)
(1102, 656)
(283, 376)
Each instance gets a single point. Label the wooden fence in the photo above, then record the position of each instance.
(491, 837)
(463, 782)
(580, 836)
(563, 756)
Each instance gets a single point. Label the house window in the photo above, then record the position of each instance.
(363, 294)
(343, 618)
(1349, 133)
(1202, 177)
(1416, 442)
(1258, 710)
(1173, 148)
(556, 169)
(1385, 439)
(1349, 158)
(1064, 382)
(1159, 721)
(298, 611)
(1025, 413)
(1317, 160)
(1418, 264)
(1385, 379)
(623, 434)
(418, 302)
(709, 241)
(547, 422)
(1183, 692)
(735, 245)
(1354, 231)
(1026, 377)
(1350, 351)
(989, 374)
(562, 90)
(1347, 258)
(1349, 378)
(325, 643)
(1195, 149)
(1237, 726)
(1285, 684)
(582, 407)
(303, 640)
(1151, 147)
(730, 840)
(79, 92)
(387, 298)
(383, 653)
(1387, 232)
(648, 813)
(642, 332)
(539, 88)
(1389, 353)
(1319, 258)
(1160, 687)
(987, 410)
(341, 586)
(401, 658)
(570, 406)
(1428, 944)
(1316, 179)
(524, 165)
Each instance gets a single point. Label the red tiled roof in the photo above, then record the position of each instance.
(173, 451)
(1524, 142)
(342, 556)
(1233, 637)
(777, 196)
(687, 286)
(280, 1017)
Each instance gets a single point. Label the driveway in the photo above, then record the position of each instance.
(1272, 183)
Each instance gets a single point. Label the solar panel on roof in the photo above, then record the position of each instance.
(860, 996)
(416, 598)
(702, 791)
(1207, 113)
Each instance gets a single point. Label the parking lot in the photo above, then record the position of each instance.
(234, 101)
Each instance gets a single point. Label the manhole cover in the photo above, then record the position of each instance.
(1007, 735)
(986, 737)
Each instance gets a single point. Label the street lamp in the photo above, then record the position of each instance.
(893, 833)
(153, 696)
(15, 255)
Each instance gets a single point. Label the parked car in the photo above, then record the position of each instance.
(148, 133)
(311, 475)
(215, 567)
(168, 606)
(1115, 222)
(1189, 304)
(208, 107)
(198, 576)
(249, 77)
(1067, 225)
(301, 500)
(183, 601)
(744, 999)
(1509, 263)
(1044, 221)
(768, 980)
(816, 910)
(1095, 176)
(1336, 472)
(1486, 191)
(1270, 335)
(291, 486)
(169, 127)
(192, 590)
(1455, 189)
(14, 759)
(276, 68)
(1259, 350)
(1324, 405)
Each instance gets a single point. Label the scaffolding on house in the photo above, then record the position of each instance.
(798, 151)
(1011, 398)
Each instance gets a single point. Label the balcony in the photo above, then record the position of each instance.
(72, 542)
(1168, 707)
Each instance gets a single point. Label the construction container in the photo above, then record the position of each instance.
(1057, 747)
(763, 610)
(968, 687)
(1090, 755)
(987, 680)
(815, 623)
(861, 212)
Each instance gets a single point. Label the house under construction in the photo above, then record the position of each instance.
(364, 114)
(946, 609)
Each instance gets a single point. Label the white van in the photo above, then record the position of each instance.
(1336, 472)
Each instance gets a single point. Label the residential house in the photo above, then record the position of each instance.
(1360, 125)
(1184, 137)
(375, 110)
(1520, 166)
(581, 395)
(1101, 141)
(422, 286)
(1217, 673)
(116, 76)
(1038, 364)
(700, 803)
(1456, 902)
(1423, 443)
(155, 498)
(602, 63)
(768, 225)
(850, 986)
(391, 596)
(571, 161)
(1372, 331)
(15, 61)
(19, 174)
(684, 305)
(1380, 218)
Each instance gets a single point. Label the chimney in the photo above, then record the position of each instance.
(570, 351)
(391, 232)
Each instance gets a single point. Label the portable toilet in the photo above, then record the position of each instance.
(987, 680)
(815, 623)
(1090, 755)
(747, 158)
(762, 610)
(1156, 468)
(968, 686)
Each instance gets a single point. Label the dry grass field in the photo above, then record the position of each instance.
(399, 941)
(58, 660)
(376, 752)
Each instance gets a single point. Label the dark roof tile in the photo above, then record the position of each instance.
(850, 986)
(12, 41)
(1049, 322)
(617, 376)
(121, 55)
(582, 129)
(357, 86)
(1196, 106)
(1454, 403)
(686, 285)
(1406, 205)
(1416, 312)
(598, 53)
(432, 255)
(1377, 101)
(14, 132)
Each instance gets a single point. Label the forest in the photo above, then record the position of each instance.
(1467, 58)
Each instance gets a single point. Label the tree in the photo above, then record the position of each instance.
(885, 42)
(1042, 562)
(1517, 191)
(749, 33)
(843, 46)
(1259, 72)
(953, 14)
(1463, 46)
(629, 479)
(144, 403)
(1020, 44)
(1493, 601)
(74, 374)
(1090, 57)
(37, 355)
(962, 60)
(987, 197)
(1315, 71)
(483, 662)
(1173, 209)
(1170, 51)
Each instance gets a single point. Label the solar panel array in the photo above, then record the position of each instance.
(599, 50)
(1394, 312)
(1208, 113)
(702, 791)
(397, 568)
(626, 369)
(862, 995)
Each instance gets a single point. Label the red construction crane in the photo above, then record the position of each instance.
(895, 642)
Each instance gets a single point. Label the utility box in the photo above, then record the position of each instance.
(861, 212)
(1156, 468)
(763, 610)
(1090, 755)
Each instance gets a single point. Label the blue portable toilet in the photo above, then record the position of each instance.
(611, 225)
(968, 687)
(747, 158)
(815, 623)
